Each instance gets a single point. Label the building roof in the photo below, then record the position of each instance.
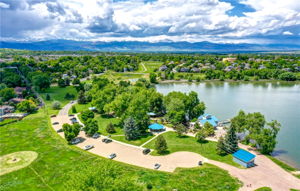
(156, 126)
(243, 155)
(208, 118)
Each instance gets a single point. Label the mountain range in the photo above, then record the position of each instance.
(136, 46)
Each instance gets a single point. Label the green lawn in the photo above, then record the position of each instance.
(264, 189)
(118, 76)
(57, 94)
(57, 162)
(188, 143)
(150, 66)
(138, 142)
(80, 107)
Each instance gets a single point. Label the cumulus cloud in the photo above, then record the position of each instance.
(161, 20)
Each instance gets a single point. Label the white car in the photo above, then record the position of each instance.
(156, 166)
(88, 147)
(112, 156)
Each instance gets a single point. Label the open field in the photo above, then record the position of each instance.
(57, 162)
(137, 142)
(150, 66)
(57, 94)
(187, 143)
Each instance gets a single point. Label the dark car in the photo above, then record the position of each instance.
(146, 151)
(71, 115)
(200, 163)
(55, 123)
(53, 116)
(96, 136)
(105, 140)
(59, 131)
(156, 166)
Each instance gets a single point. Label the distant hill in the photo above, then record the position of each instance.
(135, 46)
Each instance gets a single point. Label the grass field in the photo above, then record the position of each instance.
(57, 161)
(188, 143)
(57, 94)
(264, 189)
(137, 142)
(149, 65)
(80, 108)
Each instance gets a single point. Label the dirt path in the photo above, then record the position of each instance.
(266, 173)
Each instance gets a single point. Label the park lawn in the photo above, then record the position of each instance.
(150, 66)
(264, 189)
(137, 142)
(57, 161)
(57, 94)
(118, 76)
(80, 107)
(186, 75)
(104, 120)
(187, 143)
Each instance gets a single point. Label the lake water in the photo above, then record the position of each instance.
(276, 100)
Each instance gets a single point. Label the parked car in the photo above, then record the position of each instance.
(75, 141)
(88, 147)
(96, 135)
(200, 163)
(71, 115)
(53, 116)
(59, 130)
(106, 140)
(146, 151)
(112, 156)
(156, 166)
(55, 123)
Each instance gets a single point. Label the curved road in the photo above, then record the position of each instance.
(266, 173)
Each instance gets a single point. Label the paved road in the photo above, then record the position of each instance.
(266, 173)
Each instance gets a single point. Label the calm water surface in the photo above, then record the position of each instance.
(276, 100)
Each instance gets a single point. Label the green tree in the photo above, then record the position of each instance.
(201, 135)
(110, 128)
(209, 129)
(130, 129)
(87, 114)
(91, 127)
(48, 97)
(231, 141)
(180, 129)
(27, 106)
(221, 147)
(161, 145)
(7, 93)
(61, 83)
(287, 76)
(56, 105)
(81, 97)
(267, 138)
(70, 131)
(153, 78)
(41, 81)
(74, 110)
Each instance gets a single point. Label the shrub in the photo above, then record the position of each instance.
(110, 128)
(56, 105)
(87, 114)
(161, 145)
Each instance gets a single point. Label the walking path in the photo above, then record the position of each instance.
(266, 173)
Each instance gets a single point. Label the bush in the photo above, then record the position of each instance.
(74, 109)
(110, 128)
(201, 135)
(69, 96)
(48, 97)
(56, 105)
(91, 127)
(27, 106)
(87, 114)
(287, 76)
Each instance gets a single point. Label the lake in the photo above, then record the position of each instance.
(276, 100)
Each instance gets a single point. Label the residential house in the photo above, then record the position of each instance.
(163, 68)
(4, 109)
(229, 59)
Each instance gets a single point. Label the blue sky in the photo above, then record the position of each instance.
(219, 21)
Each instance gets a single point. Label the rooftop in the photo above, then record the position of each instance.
(208, 118)
(243, 155)
(156, 126)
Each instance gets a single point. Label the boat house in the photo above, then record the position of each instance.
(208, 118)
(244, 158)
(156, 127)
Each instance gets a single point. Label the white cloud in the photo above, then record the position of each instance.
(176, 20)
(4, 5)
(287, 33)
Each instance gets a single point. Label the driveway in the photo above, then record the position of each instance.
(266, 173)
